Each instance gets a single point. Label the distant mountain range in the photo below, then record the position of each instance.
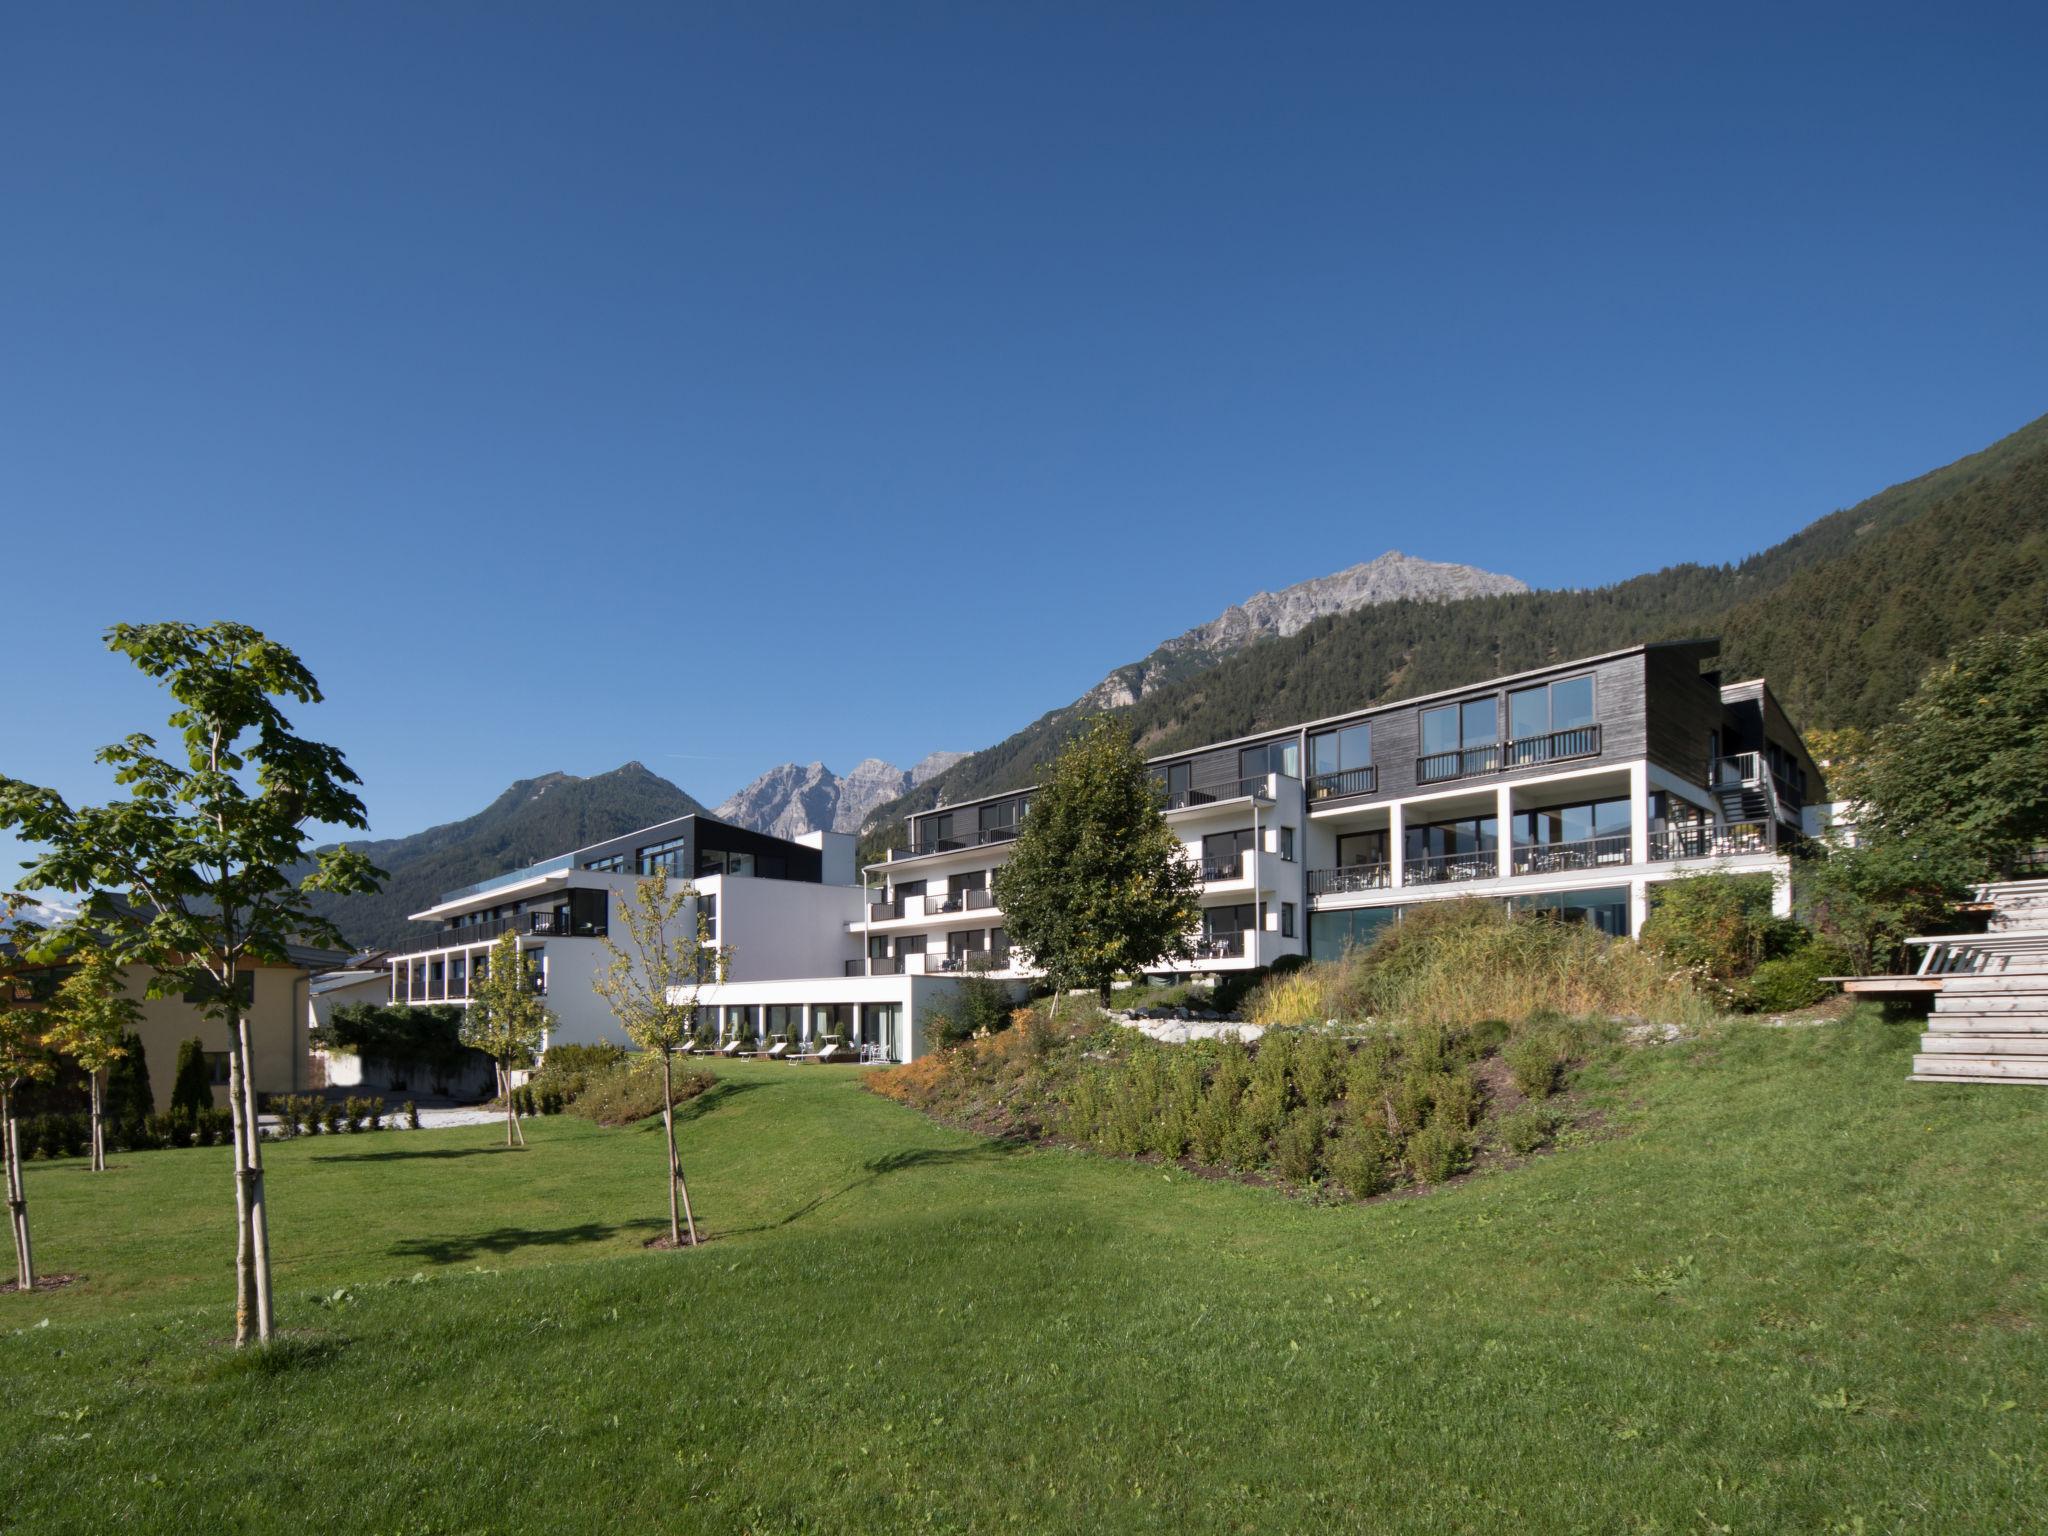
(795, 797)
(1393, 577)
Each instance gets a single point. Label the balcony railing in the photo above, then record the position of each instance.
(972, 961)
(1438, 868)
(1349, 878)
(1231, 868)
(1709, 841)
(1586, 853)
(1217, 793)
(547, 867)
(876, 965)
(539, 925)
(953, 842)
(1220, 946)
(1493, 757)
(1346, 781)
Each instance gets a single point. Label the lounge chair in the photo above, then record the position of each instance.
(730, 1048)
(838, 1051)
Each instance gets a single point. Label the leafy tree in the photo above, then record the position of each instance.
(1718, 924)
(91, 1021)
(130, 1099)
(1096, 885)
(204, 867)
(507, 1021)
(24, 1058)
(654, 990)
(1867, 896)
(191, 1083)
(1967, 758)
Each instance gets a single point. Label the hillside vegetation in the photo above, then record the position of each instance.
(534, 819)
(1781, 1290)
(1842, 618)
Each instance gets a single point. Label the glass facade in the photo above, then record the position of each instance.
(1330, 934)
(1605, 908)
(1548, 707)
(661, 858)
(1281, 757)
(1571, 823)
(1335, 751)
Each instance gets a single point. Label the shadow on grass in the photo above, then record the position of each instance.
(717, 1096)
(456, 1248)
(281, 1357)
(881, 1167)
(403, 1157)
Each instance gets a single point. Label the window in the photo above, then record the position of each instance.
(1605, 909)
(1342, 751)
(1471, 837)
(707, 909)
(1218, 921)
(1330, 934)
(935, 832)
(1286, 919)
(1223, 854)
(1559, 706)
(999, 819)
(1458, 739)
(1355, 848)
(1287, 844)
(720, 861)
(1281, 757)
(216, 1067)
(209, 991)
(1179, 778)
(612, 864)
(662, 859)
(1572, 823)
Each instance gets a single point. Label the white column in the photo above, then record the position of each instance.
(809, 1025)
(1397, 838)
(1504, 826)
(1639, 812)
(1638, 907)
(1781, 890)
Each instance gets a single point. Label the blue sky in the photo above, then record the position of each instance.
(720, 386)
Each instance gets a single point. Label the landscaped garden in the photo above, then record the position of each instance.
(1770, 1286)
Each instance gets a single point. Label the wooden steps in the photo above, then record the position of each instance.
(1990, 1021)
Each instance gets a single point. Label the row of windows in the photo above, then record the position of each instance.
(1330, 934)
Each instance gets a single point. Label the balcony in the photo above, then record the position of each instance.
(1496, 756)
(1445, 868)
(532, 871)
(876, 965)
(1349, 879)
(1218, 871)
(941, 903)
(1709, 841)
(1220, 946)
(1217, 793)
(1348, 781)
(1562, 858)
(954, 842)
(967, 962)
(539, 925)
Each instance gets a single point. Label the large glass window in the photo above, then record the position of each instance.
(1474, 834)
(1281, 757)
(1440, 730)
(1361, 848)
(1336, 751)
(1217, 921)
(1572, 823)
(1549, 707)
(1330, 934)
(1606, 908)
(1223, 854)
(615, 864)
(662, 858)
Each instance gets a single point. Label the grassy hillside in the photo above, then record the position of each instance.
(1786, 1291)
(534, 819)
(1842, 617)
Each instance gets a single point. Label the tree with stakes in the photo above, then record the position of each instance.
(507, 1021)
(205, 868)
(91, 1018)
(24, 1058)
(653, 991)
(1096, 885)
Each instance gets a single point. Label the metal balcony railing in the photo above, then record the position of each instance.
(1437, 868)
(1709, 840)
(1231, 868)
(1346, 781)
(1495, 756)
(539, 925)
(1215, 794)
(1585, 853)
(953, 842)
(1220, 946)
(1348, 878)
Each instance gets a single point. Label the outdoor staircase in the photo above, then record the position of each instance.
(1990, 1020)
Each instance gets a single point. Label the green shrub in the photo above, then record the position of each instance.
(1454, 1099)
(1216, 1118)
(1536, 1062)
(1358, 1160)
(629, 1092)
(1319, 1068)
(1437, 1152)
(1525, 1130)
(1794, 980)
(1718, 925)
(192, 1084)
(412, 1115)
(977, 1005)
(332, 1118)
(1298, 1149)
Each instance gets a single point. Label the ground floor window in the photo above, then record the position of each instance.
(1332, 933)
(1605, 908)
(881, 1025)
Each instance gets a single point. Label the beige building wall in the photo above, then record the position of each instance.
(277, 1033)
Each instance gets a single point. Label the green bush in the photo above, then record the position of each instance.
(1437, 1152)
(1794, 980)
(977, 1005)
(412, 1115)
(1358, 1160)
(1718, 925)
(1536, 1062)
(1525, 1130)
(1298, 1149)
(192, 1084)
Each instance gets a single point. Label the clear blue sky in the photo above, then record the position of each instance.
(720, 386)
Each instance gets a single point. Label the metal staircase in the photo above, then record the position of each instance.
(1990, 1019)
(1745, 790)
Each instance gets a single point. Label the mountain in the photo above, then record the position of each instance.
(534, 819)
(1843, 618)
(795, 798)
(1393, 577)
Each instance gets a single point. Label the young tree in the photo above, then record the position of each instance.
(653, 991)
(1096, 885)
(1967, 759)
(24, 1058)
(507, 1021)
(205, 867)
(91, 1019)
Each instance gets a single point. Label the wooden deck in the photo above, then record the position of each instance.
(1887, 986)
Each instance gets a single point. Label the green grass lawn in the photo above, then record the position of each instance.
(1794, 1293)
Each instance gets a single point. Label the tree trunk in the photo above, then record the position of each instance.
(245, 1302)
(259, 1206)
(1102, 993)
(675, 1169)
(514, 1136)
(17, 1199)
(99, 1128)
